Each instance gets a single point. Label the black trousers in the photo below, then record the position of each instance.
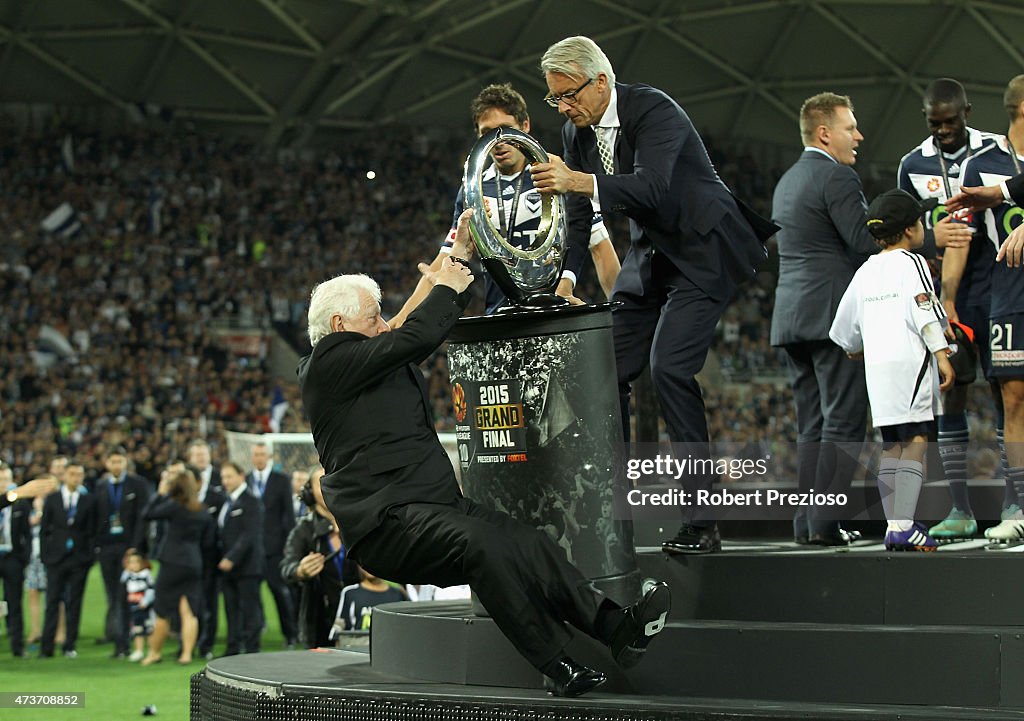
(831, 399)
(65, 582)
(242, 608)
(520, 576)
(115, 627)
(668, 322)
(208, 615)
(12, 573)
(283, 598)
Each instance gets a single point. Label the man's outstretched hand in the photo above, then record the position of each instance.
(452, 273)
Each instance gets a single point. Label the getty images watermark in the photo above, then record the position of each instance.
(666, 467)
(749, 481)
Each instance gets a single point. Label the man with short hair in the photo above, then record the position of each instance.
(120, 498)
(241, 563)
(199, 457)
(501, 106)
(824, 239)
(211, 494)
(393, 492)
(66, 537)
(15, 554)
(273, 489)
(631, 149)
(933, 170)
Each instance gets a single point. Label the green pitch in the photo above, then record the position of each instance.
(114, 689)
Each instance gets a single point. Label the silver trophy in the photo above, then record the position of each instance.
(527, 275)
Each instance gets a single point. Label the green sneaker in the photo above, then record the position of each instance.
(957, 524)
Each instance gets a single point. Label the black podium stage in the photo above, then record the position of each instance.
(762, 630)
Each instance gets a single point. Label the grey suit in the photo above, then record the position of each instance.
(820, 205)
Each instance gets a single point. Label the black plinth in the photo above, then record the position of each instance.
(539, 432)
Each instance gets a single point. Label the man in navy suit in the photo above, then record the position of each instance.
(241, 535)
(66, 537)
(631, 149)
(274, 490)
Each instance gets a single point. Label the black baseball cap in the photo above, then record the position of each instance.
(894, 211)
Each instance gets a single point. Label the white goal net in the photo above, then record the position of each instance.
(296, 452)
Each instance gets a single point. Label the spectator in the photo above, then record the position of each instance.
(315, 560)
(179, 583)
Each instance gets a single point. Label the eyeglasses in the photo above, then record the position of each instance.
(568, 98)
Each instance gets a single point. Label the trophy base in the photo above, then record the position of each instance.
(538, 301)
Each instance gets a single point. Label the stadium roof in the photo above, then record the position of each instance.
(288, 69)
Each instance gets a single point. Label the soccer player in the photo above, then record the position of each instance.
(891, 316)
(991, 166)
(500, 106)
(933, 170)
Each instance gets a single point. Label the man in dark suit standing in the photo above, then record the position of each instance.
(15, 553)
(631, 149)
(274, 489)
(120, 498)
(241, 563)
(66, 538)
(211, 494)
(393, 492)
(824, 238)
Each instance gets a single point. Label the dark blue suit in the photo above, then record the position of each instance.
(691, 244)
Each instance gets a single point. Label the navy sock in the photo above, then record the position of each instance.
(953, 438)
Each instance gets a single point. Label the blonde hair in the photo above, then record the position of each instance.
(818, 110)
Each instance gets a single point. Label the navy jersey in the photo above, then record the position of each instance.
(992, 166)
(920, 174)
(524, 230)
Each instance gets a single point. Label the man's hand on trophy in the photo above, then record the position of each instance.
(556, 177)
(564, 290)
(463, 246)
(454, 273)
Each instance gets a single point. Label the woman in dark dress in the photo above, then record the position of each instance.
(188, 527)
(315, 559)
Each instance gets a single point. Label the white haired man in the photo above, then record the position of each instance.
(393, 491)
(631, 149)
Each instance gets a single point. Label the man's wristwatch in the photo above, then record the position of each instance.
(12, 496)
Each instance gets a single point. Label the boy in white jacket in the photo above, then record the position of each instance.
(891, 315)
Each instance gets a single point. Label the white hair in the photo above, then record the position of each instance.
(577, 57)
(341, 295)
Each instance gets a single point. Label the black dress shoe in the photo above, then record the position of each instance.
(694, 539)
(641, 622)
(837, 537)
(567, 678)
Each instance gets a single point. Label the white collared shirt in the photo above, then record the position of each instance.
(819, 150)
(232, 497)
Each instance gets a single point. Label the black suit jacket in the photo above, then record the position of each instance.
(665, 183)
(278, 515)
(186, 531)
(134, 496)
(55, 531)
(370, 416)
(242, 536)
(21, 529)
(824, 239)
